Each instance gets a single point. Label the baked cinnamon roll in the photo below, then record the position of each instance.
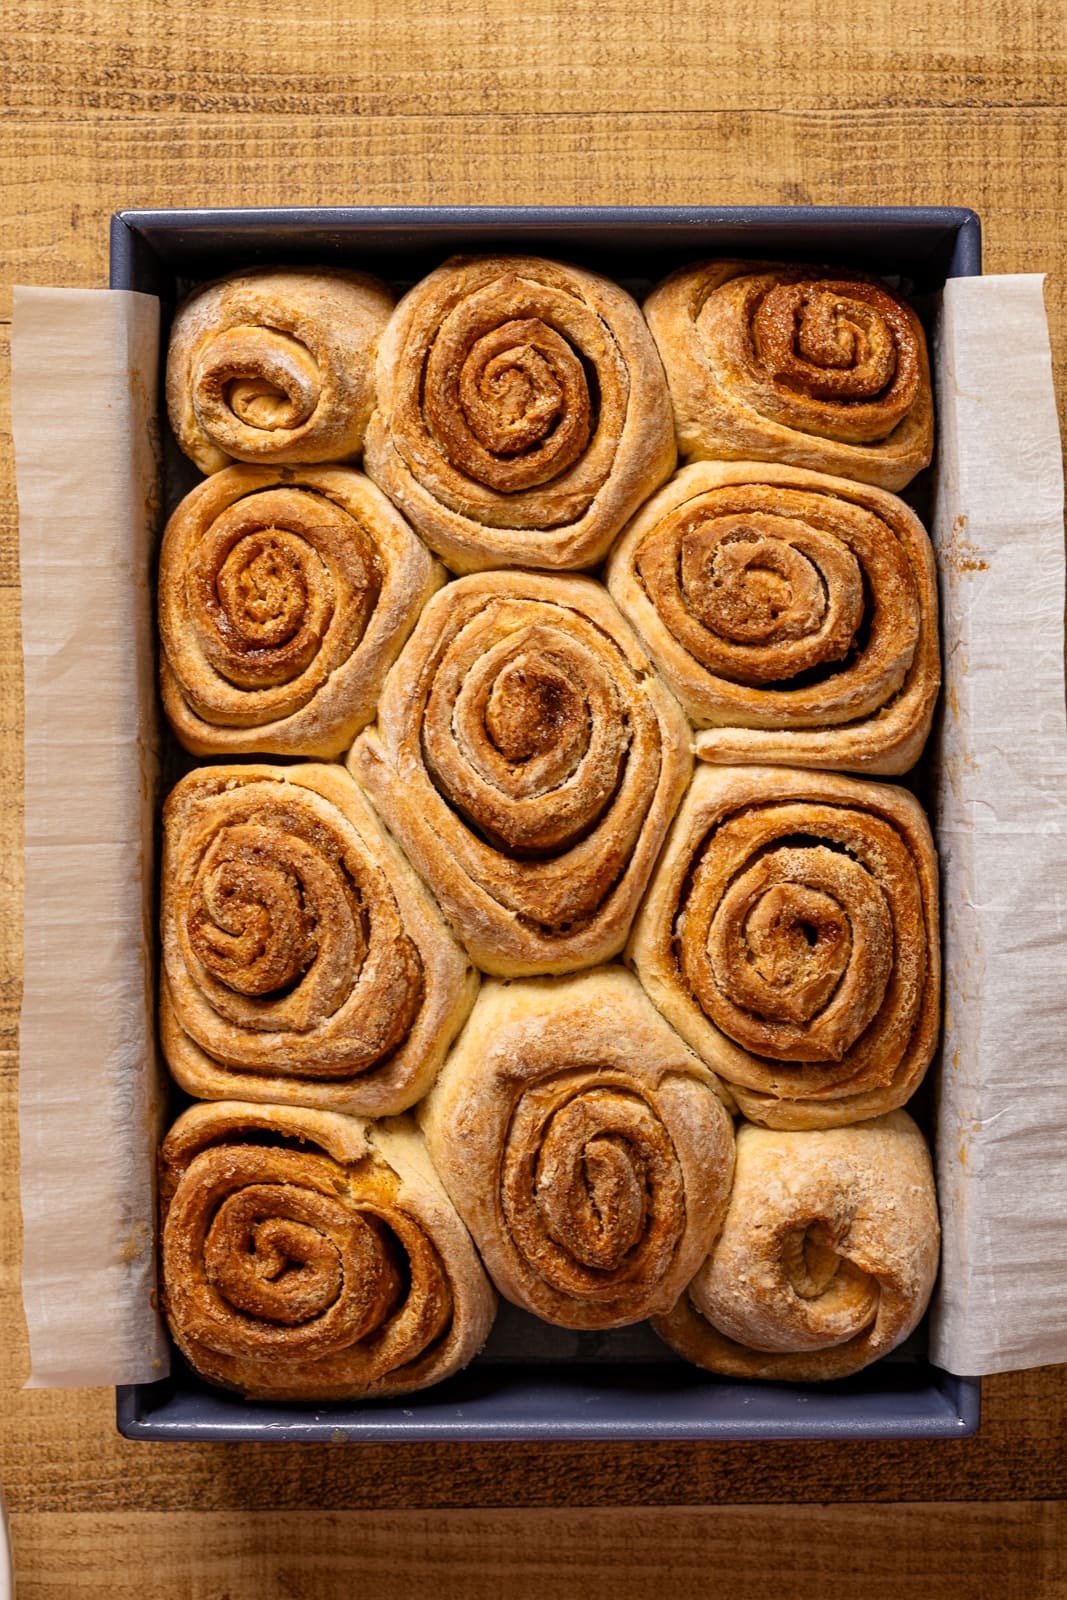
(794, 615)
(522, 414)
(275, 364)
(309, 1256)
(529, 761)
(285, 594)
(812, 366)
(303, 961)
(826, 1259)
(584, 1145)
(791, 935)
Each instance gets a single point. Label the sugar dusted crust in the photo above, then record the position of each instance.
(826, 1259)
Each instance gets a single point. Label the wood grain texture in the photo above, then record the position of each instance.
(392, 57)
(617, 101)
(860, 1553)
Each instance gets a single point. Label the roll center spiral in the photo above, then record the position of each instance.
(597, 1213)
(798, 942)
(248, 920)
(592, 1187)
(838, 1298)
(274, 916)
(788, 947)
(748, 585)
(525, 731)
(756, 596)
(509, 400)
(262, 590)
(280, 587)
(300, 1263)
(529, 709)
(260, 378)
(809, 1260)
(825, 342)
(280, 1268)
(513, 398)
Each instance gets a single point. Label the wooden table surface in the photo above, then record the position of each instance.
(134, 103)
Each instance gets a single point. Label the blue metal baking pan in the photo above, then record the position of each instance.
(532, 1381)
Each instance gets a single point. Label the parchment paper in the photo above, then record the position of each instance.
(1002, 834)
(84, 380)
(84, 368)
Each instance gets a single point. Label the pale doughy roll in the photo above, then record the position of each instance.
(522, 414)
(303, 961)
(826, 1259)
(584, 1145)
(529, 761)
(275, 364)
(813, 366)
(794, 615)
(791, 935)
(310, 1256)
(285, 595)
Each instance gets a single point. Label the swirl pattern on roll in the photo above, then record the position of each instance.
(309, 1256)
(791, 935)
(794, 615)
(826, 1259)
(303, 961)
(522, 414)
(275, 365)
(584, 1145)
(529, 761)
(285, 594)
(821, 369)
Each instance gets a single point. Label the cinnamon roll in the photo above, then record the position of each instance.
(310, 1256)
(522, 414)
(529, 762)
(303, 961)
(826, 1259)
(816, 367)
(584, 1146)
(285, 594)
(794, 615)
(275, 364)
(790, 934)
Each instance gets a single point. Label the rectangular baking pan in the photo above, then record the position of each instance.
(533, 1381)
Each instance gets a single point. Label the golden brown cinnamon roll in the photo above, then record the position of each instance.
(529, 761)
(794, 615)
(275, 364)
(522, 414)
(309, 1256)
(790, 934)
(285, 594)
(584, 1146)
(826, 1259)
(819, 368)
(303, 961)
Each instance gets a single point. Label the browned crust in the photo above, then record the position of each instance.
(351, 1168)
